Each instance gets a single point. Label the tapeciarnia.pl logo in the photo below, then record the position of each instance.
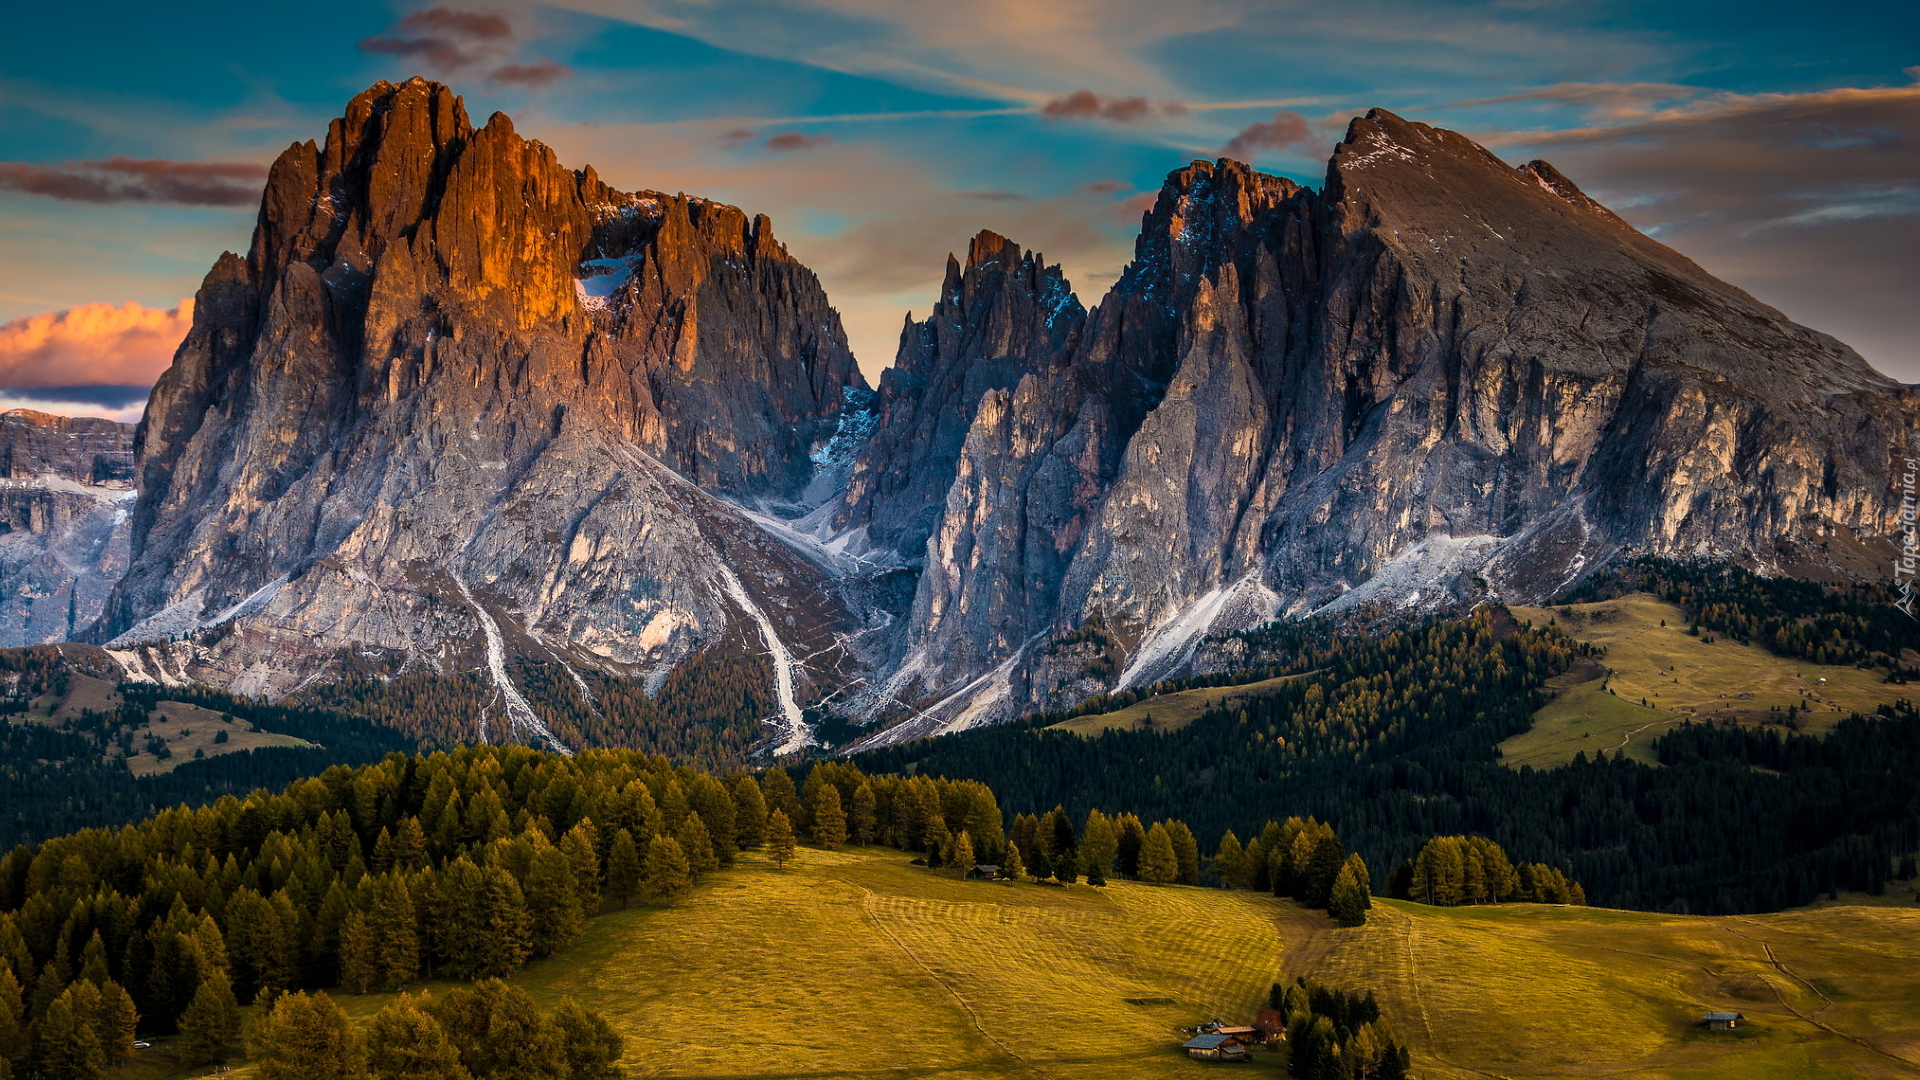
(1905, 567)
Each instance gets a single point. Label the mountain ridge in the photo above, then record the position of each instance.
(453, 385)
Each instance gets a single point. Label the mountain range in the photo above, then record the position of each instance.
(461, 408)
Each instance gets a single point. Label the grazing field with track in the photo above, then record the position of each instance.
(856, 964)
(1658, 675)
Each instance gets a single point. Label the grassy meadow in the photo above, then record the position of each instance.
(856, 964)
(1679, 676)
(1167, 712)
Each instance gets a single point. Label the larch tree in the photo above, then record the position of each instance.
(1099, 846)
(211, 1025)
(1349, 900)
(668, 874)
(1229, 861)
(116, 1020)
(697, 843)
(749, 814)
(581, 846)
(405, 1042)
(865, 815)
(781, 843)
(1158, 864)
(590, 1045)
(554, 912)
(828, 816)
(65, 1044)
(1011, 867)
(1186, 852)
(307, 1037)
(960, 853)
(623, 869)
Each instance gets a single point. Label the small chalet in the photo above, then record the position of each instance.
(1216, 1047)
(1273, 1026)
(1724, 1021)
(984, 870)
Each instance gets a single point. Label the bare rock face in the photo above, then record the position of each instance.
(65, 495)
(458, 402)
(1438, 377)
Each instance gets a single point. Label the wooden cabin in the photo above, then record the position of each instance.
(984, 870)
(1216, 1047)
(1273, 1026)
(1724, 1021)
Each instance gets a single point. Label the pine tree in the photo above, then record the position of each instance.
(865, 814)
(623, 869)
(749, 813)
(395, 926)
(590, 1045)
(1011, 867)
(780, 838)
(405, 1042)
(668, 874)
(1158, 864)
(211, 1024)
(501, 1034)
(828, 816)
(937, 839)
(503, 926)
(306, 1037)
(1066, 866)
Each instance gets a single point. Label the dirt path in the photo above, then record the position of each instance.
(1814, 1017)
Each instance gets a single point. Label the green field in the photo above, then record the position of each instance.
(1679, 676)
(1168, 711)
(856, 964)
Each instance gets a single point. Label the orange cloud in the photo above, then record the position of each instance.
(91, 345)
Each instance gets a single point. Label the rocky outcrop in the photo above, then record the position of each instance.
(458, 401)
(1439, 378)
(65, 492)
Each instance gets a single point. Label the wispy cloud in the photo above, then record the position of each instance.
(91, 345)
(125, 179)
(786, 142)
(1087, 105)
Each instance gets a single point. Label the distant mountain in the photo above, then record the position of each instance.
(459, 407)
(66, 492)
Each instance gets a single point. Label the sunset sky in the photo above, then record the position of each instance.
(1779, 145)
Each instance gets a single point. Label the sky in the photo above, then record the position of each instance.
(1776, 144)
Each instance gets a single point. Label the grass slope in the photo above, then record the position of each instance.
(855, 964)
(1168, 711)
(1679, 676)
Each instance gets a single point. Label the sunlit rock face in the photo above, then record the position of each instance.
(453, 383)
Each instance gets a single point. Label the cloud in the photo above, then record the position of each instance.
(93, 345)
(1087, 105)
(536, 76)
(789, 141)
(1809, 201)
(1284, 130)
(445, 39)
(122, 403)
(124, 179)
(451, 42)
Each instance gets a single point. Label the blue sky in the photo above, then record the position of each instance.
(1776, 144)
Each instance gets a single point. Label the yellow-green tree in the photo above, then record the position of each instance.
(307, 1037)
(780, 839)
(1158, 864)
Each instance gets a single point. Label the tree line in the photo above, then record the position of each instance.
(1394, 740)
(1337, 1034)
